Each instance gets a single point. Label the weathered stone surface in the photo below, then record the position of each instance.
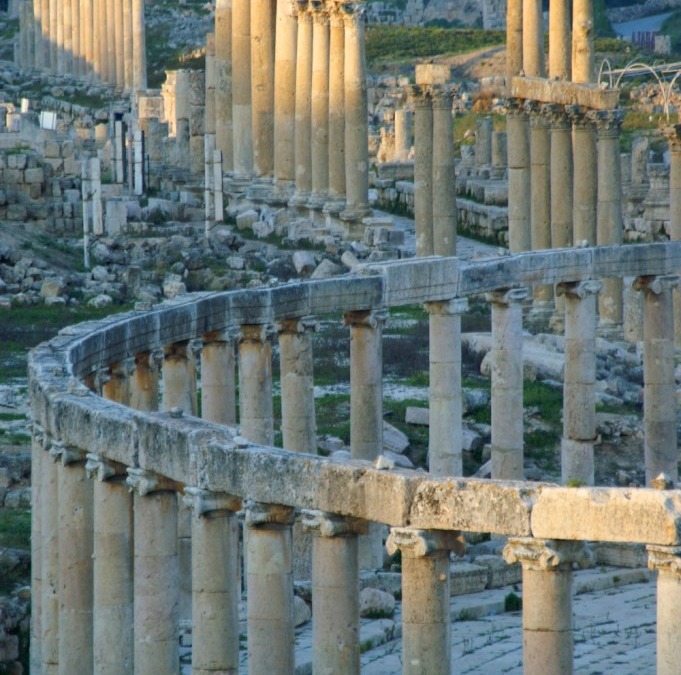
(375, 603)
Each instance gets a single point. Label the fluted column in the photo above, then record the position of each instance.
(507, 384)
(583, 41)
(218, 385)
(303, 106)
(128, 49)
(242, 108)
(514, 41)
(356, 116)
(444, 174)
(666, 561)
(585, 163)
(255, 385)
(335, 592)
(120, 44)
(659, 384)
(423, 168)
(336, 201)
(77, 69)
(215, 581)
(54, 6)
(86, 36)
(139, 47)
(110, 37)
(97, 40)
(75, 564)
(548, 633)
(223, 82)
(609, 224)
(38, 43)
(45, 33)
(533, 39)
(579, 382)
(262, 85)
(446, 398)
(179, 378)
(49, 601)
(426, 620)
(519, 197)
(320, 107)
(113, 568)
(298, 424)
(271, 638)
(156, 580)
(285, 95)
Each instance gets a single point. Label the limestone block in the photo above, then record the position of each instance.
(173, 286)
(326, 269)
(52, 150)
(67, 149)
(301, 612)
(375, 603)
(12, 162)
(499, 572)
(562, 92)
(620, 555)
(304, 262)
(72, 166)
(432, 73)
(116, 217)
(393, 439)
(246, 219)
(13, 176)
(52, 287)
(16, 212)
(467, 578)
(101, 300)
(419, 416)
(34, 175)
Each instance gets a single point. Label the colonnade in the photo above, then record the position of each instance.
(563, 149)
(99, 39)
(291, 104)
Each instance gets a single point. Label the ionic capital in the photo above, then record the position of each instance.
(66, 455)
(102, 468)
(508, 296)
(579, 289)
(259, 514)
(452, 307)
(372, 318)
(203, 502)
(665, 559)
(421, 543)
(143, 482)
(156, 358)
(543, 555)
(254, 333)
(300, 326)
(324, 524)
(226, 336)
(608, 122)
(656, 284)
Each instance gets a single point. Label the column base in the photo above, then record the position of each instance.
(260, 190)
(353, 221)
(237, 184)
(317, 201)
(334, 207)
(281, 193)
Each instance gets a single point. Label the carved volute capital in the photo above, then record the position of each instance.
(507, 297)
(324, 524)
(608, 122)
(420, 543)
(260, 515)
(580, 289)
(544, 555)
(102, 469)
(374, 319)
(456, 306)
(298, 326)
(441, 96)
(665, 559)
(656, 284)
(203, 502)
(143, 482)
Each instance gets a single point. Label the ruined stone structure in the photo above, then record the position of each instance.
(101, 39)
(110, 470)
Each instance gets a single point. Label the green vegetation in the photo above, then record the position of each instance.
(15, 529)
(672, 27)
(513, 603)
(395, 43)
(601, 22)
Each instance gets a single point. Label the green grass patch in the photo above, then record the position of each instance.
(396, 43)
(548, 399)
(11, 417)
(15, 529)
(672, 27)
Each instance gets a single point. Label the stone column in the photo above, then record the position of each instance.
(54, 35)
(303, 106)
(507, 384)
(320, 107)
(336, 201)
(298, 424)
(609, 224)
(75, 564)
(561, 193)
(659, 384)
(113, 572)
(356, 116)
(223, 82)
(110, 37)
(499, 155)
(445, 439)
(139, 47)
(582, 41)
(285, 96)
(533, 39)
(444, 175)
(120, 45)
(128, 48)
(666, 560)
(49, 573)
(144, 383)
(579, 382)
(116, 383)
(271, 638)
(426, 597)
(560, 50)
(540, 209)
(216, 581)
(402, 135)
(514, 41)
(103, 44)
(548, 634)
(96, 40)
(674, 137)
(218, 384)
(45, 33)
(518, 129)
(242, 109)
(67, 37)
(38, 43)
(484, 129)
(156, 580)
(423, 169)
(75, 38)
(585, 163)
(262, 85)
(335, 592)
(366, 408)
(255, 385)
(179, 378)
(38, 442)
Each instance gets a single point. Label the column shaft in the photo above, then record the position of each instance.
(444, 176)
(533, 38)
(144, 383)
(54, 37)
(86, 43)
(675, 216)
(423, 170)
(336, 111)
(582, 41)
(585, 195)
(262, 84)
(514, 40)
(561, 181)
(320, 107)
(255, 386)
(223, 82)
(303, 106)
(666, 561)
(37, 478)
(519, 232)
(507, 385)
(179, 378)
(241, 88)
(75, 38)
(139, 47)
(49, 623)
(560, 49)
(218, 385)
(120, 44)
